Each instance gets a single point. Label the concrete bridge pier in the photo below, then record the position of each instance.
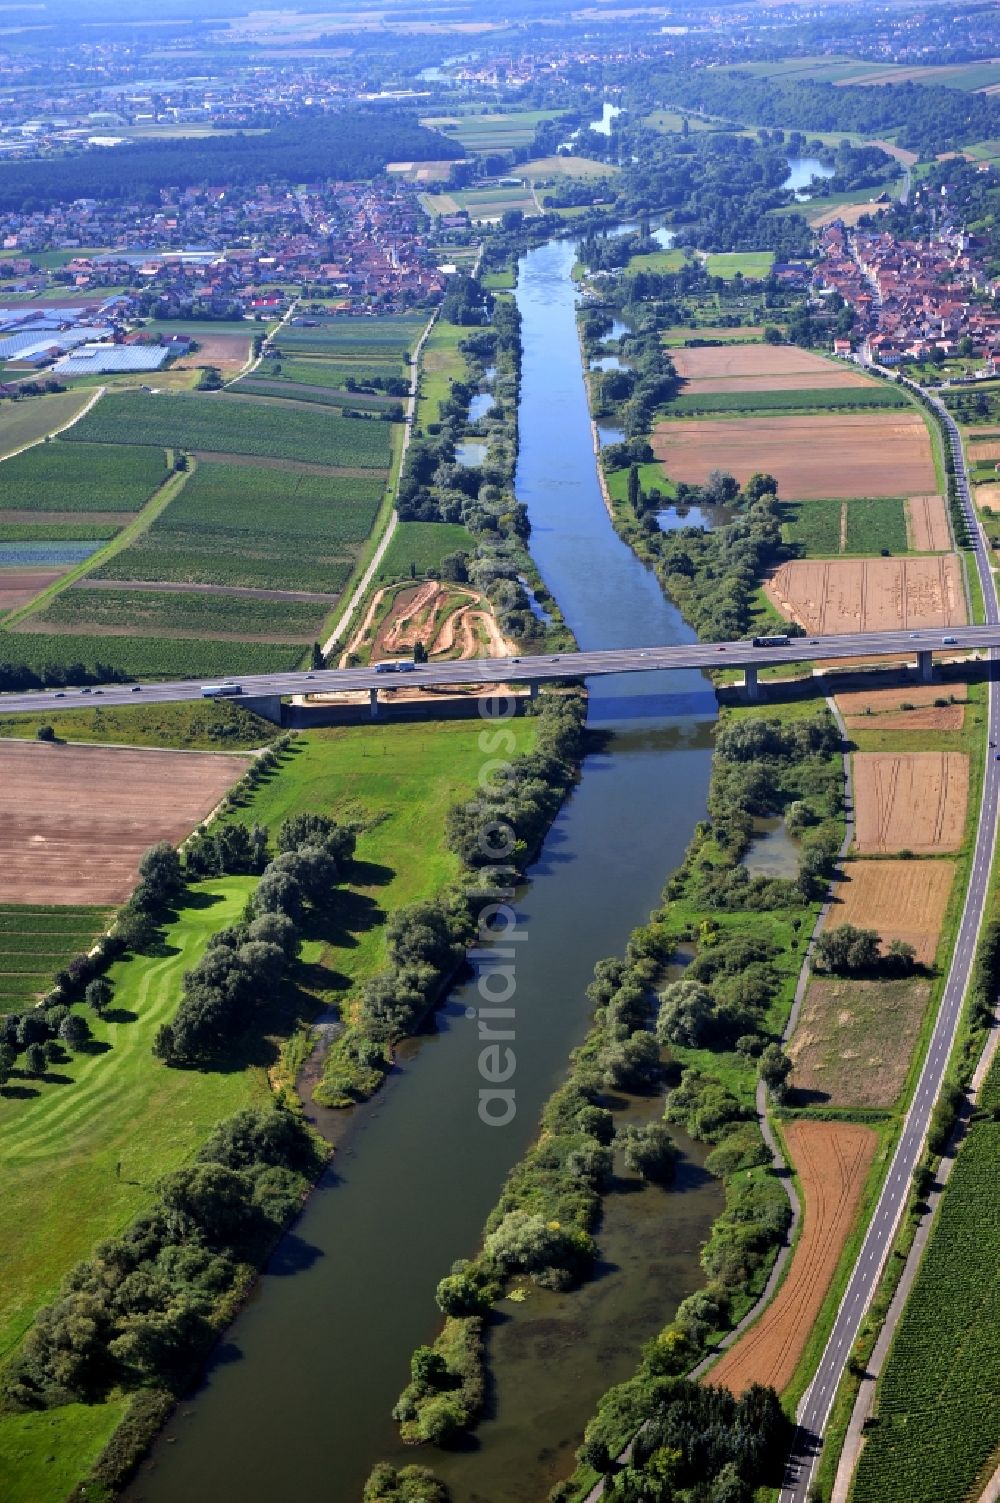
(925, 666)
(533, 689)
(268, 707)
(373, 701)
(751, 687)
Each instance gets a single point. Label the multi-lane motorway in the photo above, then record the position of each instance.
(814, 1411)
(571, 665)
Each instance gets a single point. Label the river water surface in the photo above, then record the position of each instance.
(297, 1402)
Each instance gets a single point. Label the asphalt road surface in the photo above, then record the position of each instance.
(568, 665)
(814, 1410)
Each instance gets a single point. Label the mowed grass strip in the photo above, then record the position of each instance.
(82, 477)
(257, 527)
(36, 942)
(937, 1427)
(174, 611)
(187, 420)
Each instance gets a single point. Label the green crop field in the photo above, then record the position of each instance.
(37, 942)
(326, 396)
(872, 524)
(60, 532)
(753, 264)
(322, 370)
(182, 612)
(662, 260)
(149, 657)
(235, 425)
(82, 477)
(417, 548)
(362, 339)
(492, 132)
(830, 399)
(31, 418)
(938, 1423)
(191, 725)
(264, 528)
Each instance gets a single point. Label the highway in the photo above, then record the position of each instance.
(814, 1410)
(529, 670)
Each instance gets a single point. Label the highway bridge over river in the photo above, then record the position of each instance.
(263, 690)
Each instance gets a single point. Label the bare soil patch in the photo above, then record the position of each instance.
(913, 801)
(854, 1040)
(18, 586)
(227, 351)
(988, 495)
(849, 595)
(927, 524)
(849, 213)
(829, 454)
(74, 820)
(901, 899)
(768, 367)
(832, 1160)
(979, 450)
(887, 714)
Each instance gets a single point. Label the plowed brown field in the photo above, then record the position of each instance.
(765, 367)
(850, 595)
(886, 714)
(901, 899)
(74, 820)
(18, 586)
(979, 450)
(927, 524)
(832, 1160)
(854, 1039)
(830, 454)
(913, 801)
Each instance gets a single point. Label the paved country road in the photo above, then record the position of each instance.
(568, 665)
(814, 1410)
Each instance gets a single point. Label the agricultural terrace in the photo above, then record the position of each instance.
(904, 900)
(936, 1431)
(776, 367)
(832, 1160)
(854, 1040)
(37, 941)
(910, 801)
(74, 820)
(221, 424)
(876, 594)
(828, 454)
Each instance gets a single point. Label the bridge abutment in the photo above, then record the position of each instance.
(373, 702)
(751, 687)
(268, 707)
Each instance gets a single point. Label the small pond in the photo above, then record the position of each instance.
(801, 171)
(673, 518)
(773, 852)
(608, 363)
(480, 405)
(471, 452)
(606, 434)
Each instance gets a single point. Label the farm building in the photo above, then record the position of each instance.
(102, 359)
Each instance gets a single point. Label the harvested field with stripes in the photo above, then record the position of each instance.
(913, 801)
(927, 524)
(851, 595)
(811, 457)
(769, 367)
(74, 820)
(901, 899)
(832, 1160)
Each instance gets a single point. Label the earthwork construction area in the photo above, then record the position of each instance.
(838, 596)
(901, 899)
(765, 367)
(74, 820)
(912, 801)
(829, 454)
(832, 1160)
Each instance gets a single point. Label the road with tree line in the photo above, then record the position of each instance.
(814, 1410)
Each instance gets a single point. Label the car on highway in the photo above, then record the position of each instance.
(914, 635)
(949, 641)
(136, 689)
(84, 691)
(59, 694)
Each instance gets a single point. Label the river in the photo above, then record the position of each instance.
(297, 1401)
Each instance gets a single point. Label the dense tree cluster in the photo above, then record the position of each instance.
(140, 1311)
(848, 951)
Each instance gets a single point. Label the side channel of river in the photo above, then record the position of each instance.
(297, 1402)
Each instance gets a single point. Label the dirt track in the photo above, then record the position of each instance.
(901, 899)
(832, 1160)
(927, 524)
(850, 595)
(912, 801)
(74, 820)
(764, 367)
(829, 454)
